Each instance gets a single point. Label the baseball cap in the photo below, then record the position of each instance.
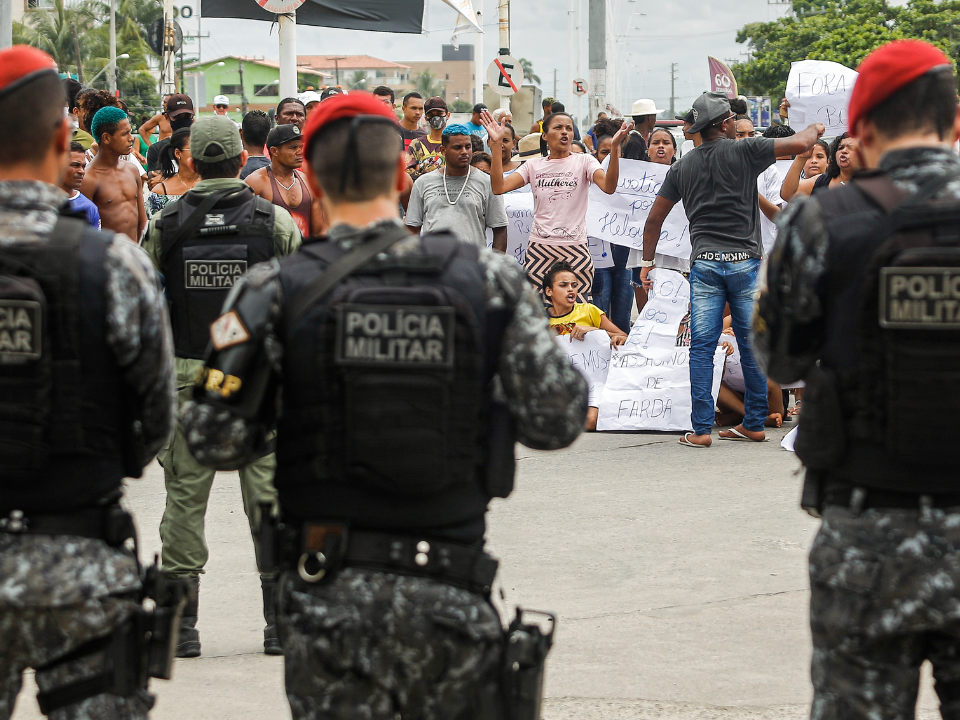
(178, 104)
(708, 107)
(214, 138)
(310, 96)
(22, 64)
(329, 93)
(434, 103)
(282, 134)
(221, 100)
(889, 68)
(688, 117)
(479, 108)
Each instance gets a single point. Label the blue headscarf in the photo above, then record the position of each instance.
(458, 129)
(105, 116)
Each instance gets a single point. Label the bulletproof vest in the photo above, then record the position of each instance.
(61, 416)
(387, 419)
(890, 364)
(207, 243)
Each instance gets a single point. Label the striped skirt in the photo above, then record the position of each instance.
(540, 258)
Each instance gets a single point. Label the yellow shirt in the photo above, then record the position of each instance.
(582, 314)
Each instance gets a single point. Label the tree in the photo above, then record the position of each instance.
(528, 73)
(58, 31)
(429, 85)
(461, 106)
(357, 81)
(844, 32)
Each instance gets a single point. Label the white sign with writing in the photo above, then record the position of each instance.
(591, 356)
(648, 383)
(619, 218)
(818, 92)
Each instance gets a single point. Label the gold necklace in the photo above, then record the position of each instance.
(185, 182)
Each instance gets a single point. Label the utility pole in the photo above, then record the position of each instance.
(112, 75)
(479, 69)
(580, 58)
(6, 23)
(243, 92)
(336, 65)
(555, 84)
(598, 56)
(504, 8)
(168, 74)
(571, 22)
(673, 80)
(288, 54)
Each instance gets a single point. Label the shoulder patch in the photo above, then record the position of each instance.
(228, 330)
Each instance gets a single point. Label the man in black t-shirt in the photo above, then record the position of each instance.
(410, 128)
(718, 186)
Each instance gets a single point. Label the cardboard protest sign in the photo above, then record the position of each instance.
(619, 218)
(648, 383)
(819, 91)
(591, 356)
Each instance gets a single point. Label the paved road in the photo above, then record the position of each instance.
(679, 577)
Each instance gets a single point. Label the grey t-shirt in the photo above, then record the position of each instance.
(476, 210)
(718, 186)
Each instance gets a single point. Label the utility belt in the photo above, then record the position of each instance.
(819, 493)
(144, 646)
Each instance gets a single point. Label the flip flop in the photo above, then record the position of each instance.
(684, 441)
(740, 437)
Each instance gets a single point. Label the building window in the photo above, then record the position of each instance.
(230, 90)
(448, 76)
(263, 90)
(380, 74)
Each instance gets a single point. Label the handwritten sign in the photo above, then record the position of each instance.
(819, 92)
(591, 356)
(648, 383)
(619, 218)
(519, 209)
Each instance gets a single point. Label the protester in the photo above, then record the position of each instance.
(457, 198)
(507, 146)
(844, 162)
(221, 105)
(160, 122)
(179, 114)
(546, 104)
(482, 162)
(72, 88)
(475, 123)
(72, 179)
(385, 95)
(426, 153)
(475, 142)
(561, 185)
(768, 186)
(410, 129)
(591, 137)
(690, 140)
(281, 184)
(502, 115)
(178, 177)
(253, 131)
(644, 112)
(290, 111)
(718, 186)
(112, 183)
(329, 92)
(311, 101)
(604, 130)
(558, 107)
(89, 101)
(568, 317)
(578, 147)
(818, 161)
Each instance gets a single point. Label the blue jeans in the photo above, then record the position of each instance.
(713, 284)
(612, 290)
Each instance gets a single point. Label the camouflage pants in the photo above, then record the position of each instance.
(376, 646)
(57, 594)
(885, 596)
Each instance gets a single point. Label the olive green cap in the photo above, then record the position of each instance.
(215, 138)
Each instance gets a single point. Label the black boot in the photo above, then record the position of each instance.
(188, 644)
(271, 643)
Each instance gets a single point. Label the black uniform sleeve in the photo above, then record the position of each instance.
(233, 412)
(788, 319)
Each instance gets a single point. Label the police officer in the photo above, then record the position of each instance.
(392, 352)
(861, 298)
(202, 245)
(86, 381)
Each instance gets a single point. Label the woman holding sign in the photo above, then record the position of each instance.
(561, 184)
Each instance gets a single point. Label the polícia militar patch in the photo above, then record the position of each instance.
(20, 330)
(920, 298)
(402, 336)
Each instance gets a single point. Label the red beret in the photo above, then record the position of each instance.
(886, 70)
(338, 107)
(20, 64)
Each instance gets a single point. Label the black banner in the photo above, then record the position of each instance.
(395, 16)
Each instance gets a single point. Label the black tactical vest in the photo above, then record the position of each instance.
(387, 419)
(62, 437)
(205, 250)
(890, 363)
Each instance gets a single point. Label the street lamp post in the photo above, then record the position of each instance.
(106, 67)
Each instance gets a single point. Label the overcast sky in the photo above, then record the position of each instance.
(660, 33)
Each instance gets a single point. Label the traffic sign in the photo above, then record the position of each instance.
(155, 36)
(580, 87)
(505, 75)
(280, 6)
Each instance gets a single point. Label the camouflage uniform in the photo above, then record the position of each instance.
(59, 592)
(885, 582)
(378, 645)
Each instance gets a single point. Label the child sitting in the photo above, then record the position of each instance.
(568, 317)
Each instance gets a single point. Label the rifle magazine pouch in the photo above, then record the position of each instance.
(501, 457)
(821, 437)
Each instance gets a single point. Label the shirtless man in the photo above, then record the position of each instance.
(281, 184)
(159, 120)
(113, 184)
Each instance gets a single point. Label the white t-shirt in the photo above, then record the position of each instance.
(768, 185)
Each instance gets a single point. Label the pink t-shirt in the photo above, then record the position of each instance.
(560, 192)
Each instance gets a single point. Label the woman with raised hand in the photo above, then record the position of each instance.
(560, 183)
(844, 162)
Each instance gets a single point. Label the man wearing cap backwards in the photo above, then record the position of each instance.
(112, 183)
(202, 244)
(644, 114)
(718, 186)
(84, 336)
(389, 442)
(179, 113)
(426, 153)
(281, 184)
(860, 300)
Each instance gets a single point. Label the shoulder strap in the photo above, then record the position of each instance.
(882, 190)
(320, 286)
(192, 221)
